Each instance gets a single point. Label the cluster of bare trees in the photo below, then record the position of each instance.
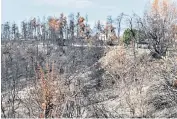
(29, 88)
(52, 28)
(24, 90)
(158, 27)
(62, 27)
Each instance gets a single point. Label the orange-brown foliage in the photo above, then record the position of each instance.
(175, 83)
(47, 88)
(163, 7)
(155, 5)
(54, 23)
(81, 20)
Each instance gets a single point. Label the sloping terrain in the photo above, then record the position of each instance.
(118, 86)
(95, 81)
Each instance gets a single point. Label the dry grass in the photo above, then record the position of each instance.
(116, 55)
(134, 79)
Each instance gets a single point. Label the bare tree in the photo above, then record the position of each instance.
(119, 20)
(77, 24)
(6, 31)
(24, 30)
(15, 32)
(71, 26)
(158, 26)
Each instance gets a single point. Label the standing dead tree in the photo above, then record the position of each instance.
(6, 31)
(15, 32)
(71, 26)
(119, 20)
(24, 30)
(158, 26)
